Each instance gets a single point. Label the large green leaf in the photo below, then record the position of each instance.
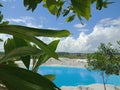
(29, 33)
(20, 79)
(82, 8)
(43, 58)
(12, 29)
(21, 51)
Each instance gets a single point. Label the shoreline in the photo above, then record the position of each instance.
(66, 62)
(91, 87)
(75, 63)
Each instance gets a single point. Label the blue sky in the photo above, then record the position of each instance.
(104, 26)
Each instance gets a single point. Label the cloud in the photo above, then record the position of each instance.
(26, 21)
(107, 30)
(79, 25)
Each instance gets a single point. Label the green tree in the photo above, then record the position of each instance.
(16, 78)
(105, 60)
(69, 9)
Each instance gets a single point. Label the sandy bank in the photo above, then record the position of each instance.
(91, 87)
(81, 63)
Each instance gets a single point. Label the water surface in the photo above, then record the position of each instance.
(68, 76)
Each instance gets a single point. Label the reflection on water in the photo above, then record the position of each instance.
(67, 76)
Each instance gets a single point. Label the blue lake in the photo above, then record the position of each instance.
(68, 76)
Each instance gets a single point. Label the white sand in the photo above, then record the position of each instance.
(80, 63)
(91, 87)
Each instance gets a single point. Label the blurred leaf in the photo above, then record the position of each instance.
(1, 5)
(92, 1)
(105, 3)
(52, 6)
(31, 4)
(43, 58)
(66, 12)
(34, 31)
(1, 17)
(20, 43)
(99, 4)
(59, 11)
(21, 51)
(54, 44)
(20, 79)
(82, 8)
(5, 23)
(51, 77)
(1, 40)
(30, 33)
(70, 18)
(9, 45)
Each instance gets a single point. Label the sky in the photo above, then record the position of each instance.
(103, 27)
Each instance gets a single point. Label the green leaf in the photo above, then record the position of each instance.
(1, 5)
(20, 43)
(31, 4)
(1, 18)
(20, 79)
(21, 51)
(5, 23)
(99, 4)
(9, 45)
(33, 31)
(30, 33)
(1, 40)
(82, 8)
(54, 44)
(43, 58)
(52, 6)
(66, 12)
(51, 77)
(70, 18)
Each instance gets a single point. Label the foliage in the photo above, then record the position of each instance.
(20, 48)
(68, 8)
(20, 79)
(105, 60)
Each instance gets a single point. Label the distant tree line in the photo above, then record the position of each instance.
(73, 55)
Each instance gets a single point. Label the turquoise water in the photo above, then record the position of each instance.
(67, 76)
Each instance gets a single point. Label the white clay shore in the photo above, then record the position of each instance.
(79, 63)
(91, 87)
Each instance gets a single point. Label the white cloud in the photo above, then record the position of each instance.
(82, 30)
(102, 32)
(26, 21)
(79, 25)
(107, 30)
